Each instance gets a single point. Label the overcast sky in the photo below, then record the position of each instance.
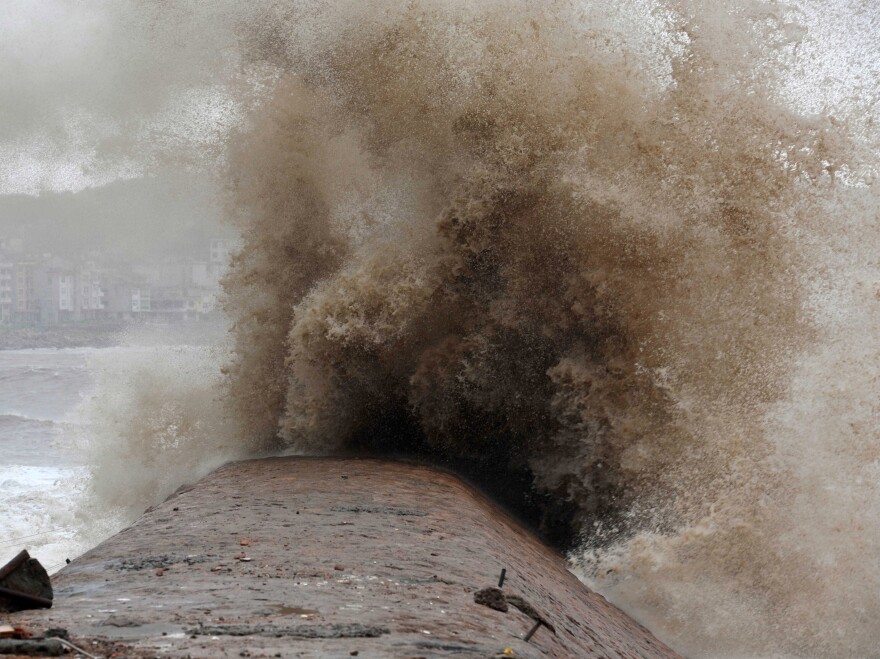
(95, 90)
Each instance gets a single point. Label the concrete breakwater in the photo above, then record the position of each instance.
(322, 557)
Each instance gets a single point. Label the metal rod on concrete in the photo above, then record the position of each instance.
(532, 631)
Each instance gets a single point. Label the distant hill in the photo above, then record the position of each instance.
(125, 220)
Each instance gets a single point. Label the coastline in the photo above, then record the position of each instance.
(109, 335)
(104, 335)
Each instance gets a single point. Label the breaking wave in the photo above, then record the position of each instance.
(608, 265)
(610, 262)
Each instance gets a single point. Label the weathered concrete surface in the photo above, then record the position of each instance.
(331, 558)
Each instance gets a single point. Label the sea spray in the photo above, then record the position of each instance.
(155, 422)
(510, 236)
(614, 263)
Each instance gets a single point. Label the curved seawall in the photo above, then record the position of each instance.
(331, 557)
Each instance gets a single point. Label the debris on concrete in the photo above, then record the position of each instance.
(158, 562)
(495, 598)
(57, 632)
(294, 631)
(42, 647)
(121, 621)
(529, 610)
(491, 597)
(379, 510)
(24, 584)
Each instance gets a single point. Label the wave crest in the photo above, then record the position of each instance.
(580, 267)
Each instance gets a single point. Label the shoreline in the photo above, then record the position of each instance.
(61, 336)
(330, 557)
(110, 335)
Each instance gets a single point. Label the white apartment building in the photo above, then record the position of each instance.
(140, 300)
(66, 293)
(6, 284)
(91, 293)
(25, 302)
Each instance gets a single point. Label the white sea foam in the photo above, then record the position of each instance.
(39, 512)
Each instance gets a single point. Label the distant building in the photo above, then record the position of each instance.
(91, 294)
(7, 269)
(46, 290)
(207, 274)
(123, 295)
(26, 308)
(141, 300)
(55, 291)
(6, 284)
(206, 304)
(221, 251)
(66, 293)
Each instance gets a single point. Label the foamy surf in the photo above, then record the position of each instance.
(39, 511)
(57, 466)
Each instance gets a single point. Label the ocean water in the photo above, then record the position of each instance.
(43, 471)
(91, 437)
